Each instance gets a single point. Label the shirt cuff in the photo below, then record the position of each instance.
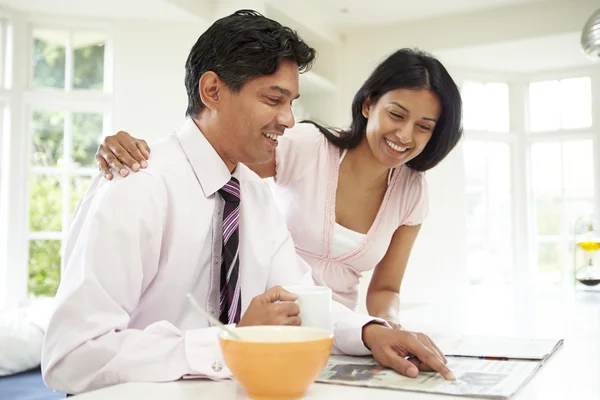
(348, 333)
(204, 355)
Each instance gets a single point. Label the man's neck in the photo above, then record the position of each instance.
(212, 133)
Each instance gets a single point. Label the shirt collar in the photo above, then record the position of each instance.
(210, 169)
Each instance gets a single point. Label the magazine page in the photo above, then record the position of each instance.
(499, 347)
(475, 377)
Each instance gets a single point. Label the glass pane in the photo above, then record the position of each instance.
(575, 209)
(500, 237)
(498, 168)
(578, 168)
(88, 60)
(544, 106)
(546, 168)
(48, 59)
(549, 216)
(576, 96)
(79, 185)
(550, 262)
(475, 153)
(47, 138)
(45, 205)
(474, 115)
(496, 103)
(44, 267)
(476, 262)
(87, 130)
(476, 215)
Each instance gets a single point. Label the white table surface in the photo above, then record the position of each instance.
(573, 373)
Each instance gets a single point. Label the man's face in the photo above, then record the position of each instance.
(255, 117)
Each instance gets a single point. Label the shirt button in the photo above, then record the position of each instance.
(217, 366)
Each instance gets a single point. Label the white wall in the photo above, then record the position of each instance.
(149, 92)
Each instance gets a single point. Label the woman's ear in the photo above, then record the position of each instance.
(210, 89)
(366, 107)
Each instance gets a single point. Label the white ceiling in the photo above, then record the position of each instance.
(337, 13)
(354, 13)
(551, 52)
(520, 56)
(129, 9)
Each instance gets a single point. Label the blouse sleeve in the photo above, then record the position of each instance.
(417, 201)
(297, 150)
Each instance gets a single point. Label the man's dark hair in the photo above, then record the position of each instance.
(240, 47)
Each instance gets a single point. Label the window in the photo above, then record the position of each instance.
(488, 182)
(63, 136)
(6, 104)
(67, 60)
(564, 104)
(489, 211)
(485, 106)
(552, 143)
(562, 191)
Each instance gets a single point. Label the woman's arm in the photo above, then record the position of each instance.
(121, 149)
(383, 296)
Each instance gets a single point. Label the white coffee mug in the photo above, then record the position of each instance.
(315, 305)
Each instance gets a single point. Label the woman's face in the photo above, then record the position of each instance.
(400, 124)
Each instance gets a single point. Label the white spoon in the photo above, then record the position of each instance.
(212, 319)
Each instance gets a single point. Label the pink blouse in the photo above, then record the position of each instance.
(305, 192)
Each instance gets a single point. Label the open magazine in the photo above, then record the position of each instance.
(477, 375)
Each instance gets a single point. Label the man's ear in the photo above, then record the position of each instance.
(210, 87)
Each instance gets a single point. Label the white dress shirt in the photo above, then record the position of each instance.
(134, 250)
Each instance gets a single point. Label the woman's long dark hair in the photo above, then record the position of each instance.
(408, 69)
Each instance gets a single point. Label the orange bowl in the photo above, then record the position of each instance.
(276, 362)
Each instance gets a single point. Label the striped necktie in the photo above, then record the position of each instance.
(230, 302)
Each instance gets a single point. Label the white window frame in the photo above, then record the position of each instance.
(9, 142)
(14, 235)
(512, 138)
(520, 139)
(592, 132)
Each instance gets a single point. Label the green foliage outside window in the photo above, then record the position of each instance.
(46, 190)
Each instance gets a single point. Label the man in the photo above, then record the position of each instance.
(201, 223)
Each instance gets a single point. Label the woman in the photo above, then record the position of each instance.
(355, 199)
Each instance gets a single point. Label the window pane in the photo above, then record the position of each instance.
(496, 104)
(498, 168)
(576, 96)
(87, 129)
(578, 168)
(544, 106)
(485, 106)
(546, 168)
(473, 97)
(79, 185)
(88, 60)
(44, 267)
(475, 153)
(549, 216)
(575, 209)
(48, 59)
(45, 206)
(47, 138)
(476, 215)
(489, 212)
(550, 262)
